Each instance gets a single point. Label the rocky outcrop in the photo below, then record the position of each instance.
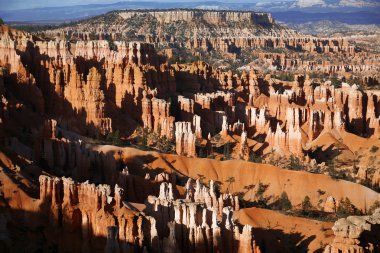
(163, 123)
(197, 126)
(285, 142)
(62, 100)
(244, 149)
(211, 17)
(228, 32)
(112, 88)
(92, 89)
(330, 205)
(256, 119)
(185, 139)
(203, 219)
(200, 222)
(356, 234)
(8, 52)
(82, 208)
(224, 131)
(89, 97)
(77, 81)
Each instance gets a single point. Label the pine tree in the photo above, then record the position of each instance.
(306, 204)
(144, 138)
(116, 138)
(226, 151)
(284, 202)
(230, 181)
(200, 155)
(255, 158)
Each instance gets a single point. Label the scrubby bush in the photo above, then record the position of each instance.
(336, 82)
(114, 137)
(374, 149)
(285, 77)
(294, 163)
(255, 158)
(374, 206)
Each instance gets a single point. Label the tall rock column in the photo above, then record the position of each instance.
(185, 139)
(356, 234)
(244, 149)
(146, 108)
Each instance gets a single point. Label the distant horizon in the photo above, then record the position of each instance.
(35, 4)
(286, 9)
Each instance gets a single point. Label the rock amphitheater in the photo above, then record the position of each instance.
(107, 145)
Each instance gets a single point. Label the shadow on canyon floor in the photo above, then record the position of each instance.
(272, 240)
(33, 232)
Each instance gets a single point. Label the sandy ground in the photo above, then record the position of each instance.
(297, 184)
(283, 233)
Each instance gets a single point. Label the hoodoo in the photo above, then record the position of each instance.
(188, 130)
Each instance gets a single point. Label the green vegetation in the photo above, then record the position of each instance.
(93, 36)
(353, 80)
(331, 168)
(201, 153)
(261, 189)
(294, 163)
(306, 205)
(374, 206)
(110, 138)
(226, 151)
(165, 145)
(283, 202)
(114, 138)
(34, 28)
(143, 140)
(148, 140)
(374, 149)
(285, 76)
(211, 154)
(336, 82)
(316, 75)
(249, 188)
(230, 181)
(218, 187)
(321, 192)
(346, 208)
(255, 158)
(183, 57)
(260, 200)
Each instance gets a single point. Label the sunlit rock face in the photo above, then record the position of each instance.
(356, 234)
(106, 141)
(202, 221)
(106, 88)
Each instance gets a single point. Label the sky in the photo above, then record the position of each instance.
(27, 4)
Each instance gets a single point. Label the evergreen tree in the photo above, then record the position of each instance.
(200, 155)
(294, 163)
(255, 158)
(144, 138)
(346, 208)
(306, 204)
(116, 138)
(284, 202)
(226, 151)
(230, 181)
